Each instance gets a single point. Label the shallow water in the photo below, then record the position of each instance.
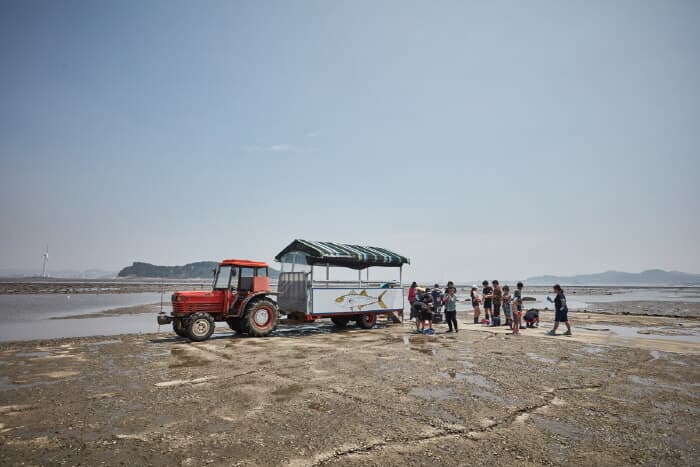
(652, 332)
(583, 301)
(28, 316)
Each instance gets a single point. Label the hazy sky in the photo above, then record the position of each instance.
(481, 139)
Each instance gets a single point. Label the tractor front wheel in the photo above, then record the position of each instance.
(179, 327)
(261, 318)
(200, 327)
(367, 321)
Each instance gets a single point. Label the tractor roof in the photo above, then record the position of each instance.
(338, 254)
(246, 263)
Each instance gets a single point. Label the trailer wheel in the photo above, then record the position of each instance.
(260, 318)
(200, 327)
(367, 321)
(340, 322)
(179, 327)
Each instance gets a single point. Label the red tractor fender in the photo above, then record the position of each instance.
(244, 304)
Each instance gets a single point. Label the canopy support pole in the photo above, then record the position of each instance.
(401, 287)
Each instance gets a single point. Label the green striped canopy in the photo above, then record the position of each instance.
(338, 254)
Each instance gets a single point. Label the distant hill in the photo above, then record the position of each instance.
(650, 277)
(201, 269)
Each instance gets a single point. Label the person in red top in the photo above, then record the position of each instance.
(412, 292)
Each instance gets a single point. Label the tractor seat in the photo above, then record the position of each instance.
(245, 284)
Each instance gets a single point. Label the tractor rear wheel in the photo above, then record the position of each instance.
(261, 318)
(200, 327)
(179, 327)
(367, 321)
(340, 322)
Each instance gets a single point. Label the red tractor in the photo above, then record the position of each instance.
(241, 297)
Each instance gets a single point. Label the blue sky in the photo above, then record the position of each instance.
(481, 139)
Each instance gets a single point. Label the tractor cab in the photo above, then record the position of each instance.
(242, 276)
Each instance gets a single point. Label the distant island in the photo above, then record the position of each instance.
(198, 270)
(649, 277)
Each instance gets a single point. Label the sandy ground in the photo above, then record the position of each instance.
(388, 396)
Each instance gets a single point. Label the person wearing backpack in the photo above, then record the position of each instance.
(437, 303)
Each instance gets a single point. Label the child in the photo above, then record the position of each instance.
(506, 306)
(427, 314)
(450, 301)
(417, 313)
(476, 301)
(518, 312)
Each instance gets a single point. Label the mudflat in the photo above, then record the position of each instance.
(387, 396)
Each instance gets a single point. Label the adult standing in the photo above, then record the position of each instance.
(412, 292)
(411, 300)
(507, 299)
(487, 292)
(497, 295)
(450, 302)
(561, 312)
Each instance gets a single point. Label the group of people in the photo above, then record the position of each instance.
(427, 302)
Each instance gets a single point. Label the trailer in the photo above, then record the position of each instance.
(306, 291)
(242, 298)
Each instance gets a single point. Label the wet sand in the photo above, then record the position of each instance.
(388, 396)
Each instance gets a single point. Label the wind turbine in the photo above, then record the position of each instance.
(46, 260)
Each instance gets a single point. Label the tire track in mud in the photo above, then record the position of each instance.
(444, 432)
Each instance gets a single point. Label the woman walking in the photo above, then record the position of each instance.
(561, 312)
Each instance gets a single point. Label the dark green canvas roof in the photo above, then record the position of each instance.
(338, 254)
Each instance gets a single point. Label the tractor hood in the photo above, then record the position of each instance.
(198, 295)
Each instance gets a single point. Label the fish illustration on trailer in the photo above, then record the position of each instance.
(354, 300)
